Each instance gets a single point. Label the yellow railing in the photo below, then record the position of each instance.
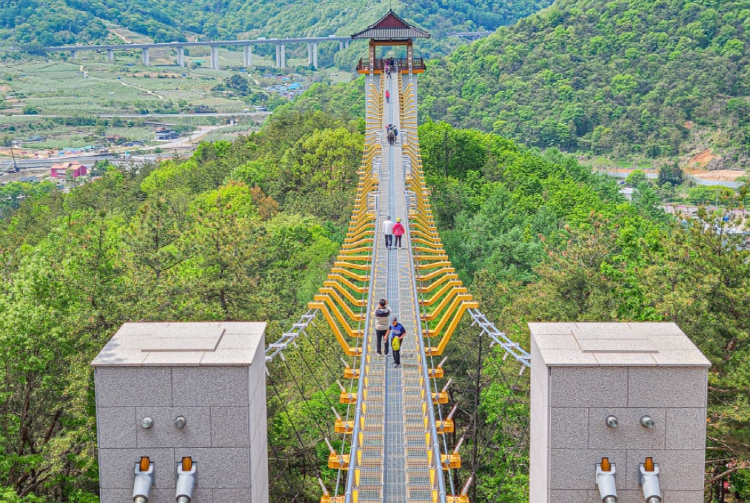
(340, 299)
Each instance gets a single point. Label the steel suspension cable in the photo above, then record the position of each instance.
(291, 423)
(513, 456)
(317, 382)
(500, 421)
(304, 398)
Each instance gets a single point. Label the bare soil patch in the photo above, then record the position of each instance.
(722, 175)
(702, 158)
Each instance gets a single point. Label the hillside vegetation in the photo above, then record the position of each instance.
(50, 22)
(543, 239)
(651, 78)
(242, 231)
(247, 231)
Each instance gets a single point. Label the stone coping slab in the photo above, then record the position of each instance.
(615, 344)
(182, 344)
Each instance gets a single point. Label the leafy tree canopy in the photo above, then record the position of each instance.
(621, 78)
(51, 22)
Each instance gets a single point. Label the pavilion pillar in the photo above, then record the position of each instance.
(372, 57)
(410, 56)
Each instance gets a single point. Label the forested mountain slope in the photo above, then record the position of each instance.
(542, 238)
(625, 77)
(65, 21)
(242, 231)
(247, 231)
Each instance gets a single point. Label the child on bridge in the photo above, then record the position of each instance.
(396, 332)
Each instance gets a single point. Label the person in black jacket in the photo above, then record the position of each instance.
(382, 313)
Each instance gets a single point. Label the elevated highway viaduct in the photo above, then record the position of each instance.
(179, 47)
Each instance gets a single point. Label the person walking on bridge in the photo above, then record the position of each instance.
(396, 333)
(387, 96)
(388, 232)
(398, 231)
(382, 313)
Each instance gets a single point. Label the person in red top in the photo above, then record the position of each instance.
(398, 231)
(387, 96)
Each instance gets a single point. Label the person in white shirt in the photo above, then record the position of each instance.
(388, 231)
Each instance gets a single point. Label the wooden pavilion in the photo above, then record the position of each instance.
(389, 31)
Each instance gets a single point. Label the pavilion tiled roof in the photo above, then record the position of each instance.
(391, 27)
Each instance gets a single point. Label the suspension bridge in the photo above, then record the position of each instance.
(394, 435)
(617, 410)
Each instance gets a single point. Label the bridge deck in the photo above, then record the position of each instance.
(398, 450)
(395, 466)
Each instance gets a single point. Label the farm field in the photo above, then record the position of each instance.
(90, 85)
(59, 102)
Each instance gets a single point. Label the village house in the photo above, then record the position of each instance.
(67, 170)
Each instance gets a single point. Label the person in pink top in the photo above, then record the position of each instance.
(398, 231)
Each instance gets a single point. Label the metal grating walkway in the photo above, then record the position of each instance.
(394, 466)
(396, 432)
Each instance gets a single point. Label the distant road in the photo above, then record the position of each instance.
(86, 160)
(234, 114)
(136, 116)
(183, 144)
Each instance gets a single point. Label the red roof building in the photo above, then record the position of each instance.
(67, 169)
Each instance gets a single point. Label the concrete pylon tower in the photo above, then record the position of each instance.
(181, 411)
(181, 56)
(618, 413)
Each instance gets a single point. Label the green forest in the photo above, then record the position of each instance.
(247, 231)
(56, 22)
(237, 232)
(626, 78)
